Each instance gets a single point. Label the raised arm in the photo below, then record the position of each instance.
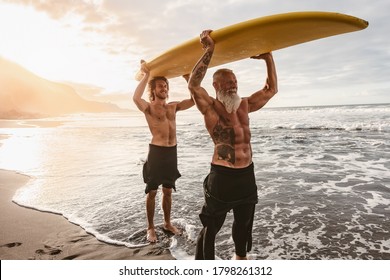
(186, 103)
(202, 100)
(139, 91)
(261, 97)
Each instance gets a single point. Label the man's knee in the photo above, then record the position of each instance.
(151, 194)
(167, 191)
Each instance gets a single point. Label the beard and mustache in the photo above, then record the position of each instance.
(230, 99)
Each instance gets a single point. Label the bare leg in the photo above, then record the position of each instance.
(150, 206)
(166, 205)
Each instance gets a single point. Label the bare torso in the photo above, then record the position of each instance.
(161, 119)
(230, 134)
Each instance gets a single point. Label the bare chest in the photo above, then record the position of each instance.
(230, 128)
(162, 113)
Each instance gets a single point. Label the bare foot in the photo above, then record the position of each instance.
(151, 235)
(236, 257)
(173, 229)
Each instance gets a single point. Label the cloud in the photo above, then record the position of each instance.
(88, 10)
(157, 25)
(131, 30)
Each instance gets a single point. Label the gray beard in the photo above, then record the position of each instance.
(231, 102)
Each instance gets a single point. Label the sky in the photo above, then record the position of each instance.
(96, 46)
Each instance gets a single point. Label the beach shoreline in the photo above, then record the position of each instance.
(28, 234)
(322, 182)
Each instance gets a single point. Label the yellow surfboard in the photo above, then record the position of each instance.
(253, 37)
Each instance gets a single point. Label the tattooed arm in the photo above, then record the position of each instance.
(202, 100)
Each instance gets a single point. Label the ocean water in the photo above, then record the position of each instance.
(323, 176)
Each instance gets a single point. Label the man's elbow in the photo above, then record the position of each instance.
(137, 100)
(192, 87)
(275, 90)
(192, 94)
(271, 89)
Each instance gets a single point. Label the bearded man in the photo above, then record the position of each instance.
(231, 183)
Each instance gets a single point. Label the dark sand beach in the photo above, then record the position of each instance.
(27, 234)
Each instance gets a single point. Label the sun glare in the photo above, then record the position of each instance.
(32, 40)
(19, 153)
(60, 50)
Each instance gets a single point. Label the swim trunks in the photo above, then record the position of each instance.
(160, 168)
(226, 189)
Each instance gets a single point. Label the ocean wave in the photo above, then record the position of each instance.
(322, 176)
(351, 127)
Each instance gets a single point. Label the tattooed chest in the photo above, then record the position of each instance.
(224, 139)
(223, 135)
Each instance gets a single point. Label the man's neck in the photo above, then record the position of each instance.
(160, 101)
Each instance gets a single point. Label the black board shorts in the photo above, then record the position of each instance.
(160, 168)
(224, 188)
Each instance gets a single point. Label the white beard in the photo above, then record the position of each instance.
(229, 100)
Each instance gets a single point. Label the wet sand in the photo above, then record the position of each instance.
(28, 234)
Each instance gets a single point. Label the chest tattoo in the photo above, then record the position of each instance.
(224, 141)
